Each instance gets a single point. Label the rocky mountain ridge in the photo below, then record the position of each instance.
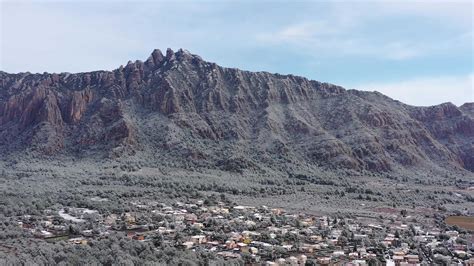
(177, 109)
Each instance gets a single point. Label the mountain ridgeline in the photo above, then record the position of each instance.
(179, 110)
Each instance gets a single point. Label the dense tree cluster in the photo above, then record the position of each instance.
(111, 250)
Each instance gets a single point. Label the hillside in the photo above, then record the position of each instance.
(181, 111)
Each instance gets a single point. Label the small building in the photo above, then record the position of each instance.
(129, 218)
(315, 238)
(78, 241)
(292, 260)
(45, 234)
(188, 244)
(253, 250)
(302, 259)
(323, 260)
(244, 248)
(398, 259)
(353, 255)
(412, 259)
(281, 261)
(139, 237)
(270, 263)
(191, 218)
(198, 239)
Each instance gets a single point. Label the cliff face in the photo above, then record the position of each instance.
(177, 107)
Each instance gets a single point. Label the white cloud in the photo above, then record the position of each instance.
(361, 28)
(426, 91)
(458, 12)
(453, 11)
(335, 39)
(302, 32)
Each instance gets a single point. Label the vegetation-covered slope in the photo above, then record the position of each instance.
(179, 110)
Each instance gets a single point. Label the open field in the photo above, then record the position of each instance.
(466, 222)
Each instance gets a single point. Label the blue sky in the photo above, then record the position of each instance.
(419, 52)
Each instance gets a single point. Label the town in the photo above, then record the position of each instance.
(263, 235)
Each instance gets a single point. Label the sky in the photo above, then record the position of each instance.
(418, 52)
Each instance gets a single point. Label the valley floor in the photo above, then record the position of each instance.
(53, 213)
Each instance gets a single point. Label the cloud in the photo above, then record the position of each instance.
(458, 12)
(301, 32)
(384, 30)
(324, 38)
(427, 91)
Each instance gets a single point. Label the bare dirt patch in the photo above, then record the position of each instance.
(466, 222)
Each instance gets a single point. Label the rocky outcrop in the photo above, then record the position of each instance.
(468, 108)
(77, 105)
(178, 108)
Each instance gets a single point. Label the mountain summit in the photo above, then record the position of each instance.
(176, 109)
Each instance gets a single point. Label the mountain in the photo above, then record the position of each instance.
(179, 110)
